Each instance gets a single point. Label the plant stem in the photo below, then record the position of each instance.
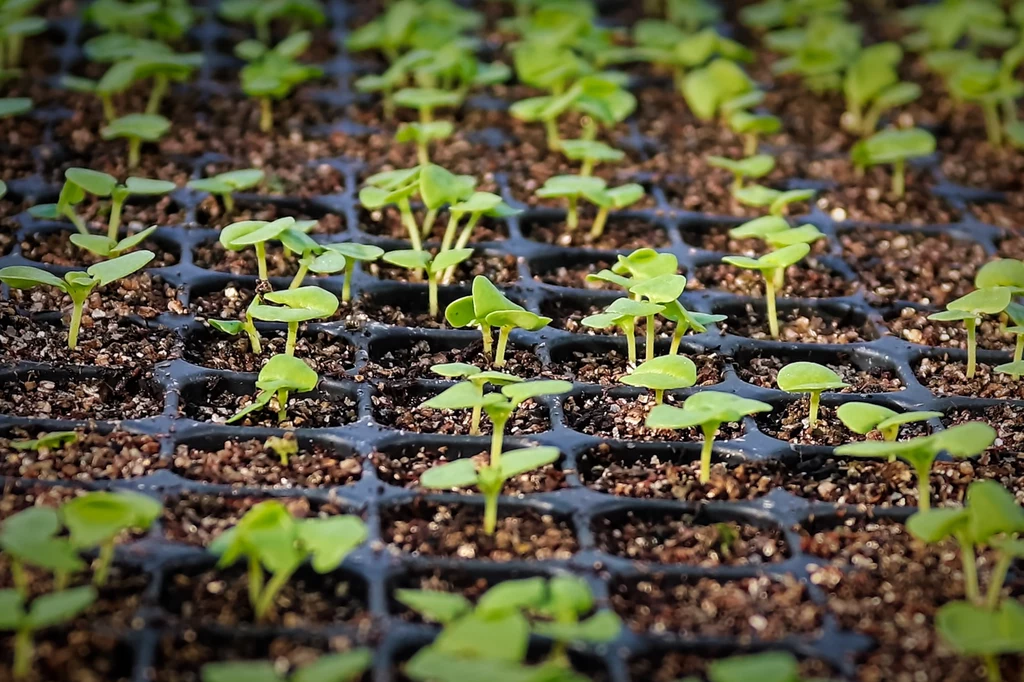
(19, 578)
(432, 278)
(597, 229)
(572, 218)
(551, 128)
(924, 494)
(972, 346)
(705, 452)
(255, 582)
(134, 151)
(769, 295)
(274, 585)
(449, 230)
(749, 144)
(410, 225)
(229, 203)
(677, 338)
(474, 425)
(659, 395)
(23, 653)
(261, 260)
(76, 322)
(499, 359)
(992, 668)
(300, 275)
(496, 438)
(587, 168)
(485, 330)
(282, 405)
(970, 567)
(253, 334)
(899, 181)
(812, 416)
(114, 222)
(346, 287)
(995, 587)
(156, 95)
(266, 115)
(428, 222)
(293, 336)
(109, 112)
(491, 513)
(993, 127)
(105, 559)
(649, 345)
(422, 154)
(630, 332)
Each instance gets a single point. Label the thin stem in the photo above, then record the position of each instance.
(812, 416)
(597, 229)
(300, 275)
(76, 323)
(266, 115)
(432, 292)
(24, 652)
(497, 436)
(491, 513)
(769, 294)
(346, 287)
(114, 222)
(899, 180)
(229, 203)
(422, 153)
(19, 578)
(134, 151)
(749, 144)
(410, 225)
(255, 582)
(274, 585)
(1018, 351)
(282, 404)
(254, 335)
(474, 424)
(970, 567)
(105, 559)
(572, 217)
(705, 452)
(677, 338)
(649, 346)
(449, 230)
(499, 359)
(61, 580)
(109, 112)
(972, 346)
(587, 168)
(659, 395)
(485, 330)
(628, 328)
(428, 222)
(870, 122)
(995, 587)
(992, 668)
(156, 95)
(551, 128)
(261, 260)
(993, 127)
(293, 336)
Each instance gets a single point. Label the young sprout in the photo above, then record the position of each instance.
(363, 253)
(255, 233)
(315, 258)
(895, 147)
(778, 202)
(751, 167)
(281, 375)
(669, 372)
(284, 447)
(32, 537)
(571, 188)
(295, 306)
(224, 185)
(487, 307)
(708, 410)
(478, 205)
(248, 326)
(686, 320)
(768, 666)
(269, 538)
(988, 84)
(810, 378)
(968, 309)
(623, 313)
(872, 86)
(863, 418)
(962, 440)
(615, 198)
(460, 394)
(751, 125)
(16, 24)
(272, 73)
(54, 440)
(344, 667)
(772, 267)
(45, 611)
(136, 128)
(661, 289)
(590, 153)
(972, 630)
(97, 519)
(709, 89)
(422, 134)
(426, 100)
(109, 246)
(434, 265)
(77, 285)
(262, 14)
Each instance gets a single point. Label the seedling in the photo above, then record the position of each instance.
(597, 94)
(751, 126)
(422, 134)
(818, 52)
(284, 448)
(281, 374)
(478, 205)
(45, 611)
(772, 267)
(590, 153)
(969, 309)
(345, 667)
(769, 666)
(863, 418)
(972, 630)
(989, 84)
(458, 397)
(362, 253)
(778, 202)
(224, 185)
(686, 320)
(97, 519)
(255, 233)
(708, 410)
(776, 232)
(295, 306)
(709, 89)
(435, 266)
(46, 441)
(16, 24)
(426, 100)
(136, 128)
(272, 73)
(962, 440)
(607, 199)
(77, 285)
(750, 167)
(810, 378)
(623, 313)
(669, 372)
(262, 14)
(895, 147)
(487, 307)
(661, 289)
(31, 537)
(872, 87)
(14, 106)
(315, 258)
(269, 538)
(235, 327)
(571, 188)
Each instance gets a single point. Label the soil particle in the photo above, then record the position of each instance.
(498, 269)
(414, 359)
(870, 200)
(797, 325)
(213, 402)
(1005, 418)
(804, 280)
(619, 234)
(610, 366)
(763, 371)
(914, 326)
(124, 396)
(325, 353)
(623, 418)
(397, 406)
(55, 248)
(94, 456)
(948, 376)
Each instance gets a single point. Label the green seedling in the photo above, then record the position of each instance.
(686, 320)
(708, 410)
(345, 667)
(969, 309)
(284, 448)
(963, 440)
(164, 69)
(77, 285)
(751, 126)
(14, 106)
(256, 233)
(353, 253)
(664, 290)
(776, 232)
(224, 185)
(45, 611)
(46, 441)
(623, 313)
(459, 397)
(136, 128)
(435, 266)
(270, 539)
(262, 14)
(246, 326)
(751, 167)
(646, 263)
(616, 198)
(590, 153)
(769, 666)
(709, 89)
(976, 631)
(97, 519)
(32, 538)
(478, 205)
(426, 100)
(667, 45)
(989, 84)
(893, 147)
(166, 21)
(281, 375)
(16, 24)
(487, 307)
(422, 134)
(315, 258)
(295, 306)
(863, 418)
(571, 188)
(772, 267)
(872, 86)
(669, 372)
(778, 202)
(810, 378)
(817, 52)
(273, 73)
(490, 479)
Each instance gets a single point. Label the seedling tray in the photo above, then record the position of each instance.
(582, 514)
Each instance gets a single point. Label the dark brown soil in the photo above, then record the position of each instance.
(608, 416)
(55, 248)
(673, 665)
(213, 256)
(763, 371)
(804, 280)
(498, 269)
(797, 325)
(93, 456)
(715, 237)
(215, 403)
(610, 366)
(1002, 214)
(404, 466)
(397, 406)
(790, 424)
(144, 295)
(1004, 418)
(251, 463)
(619, 234)
(574, 275)
(457, 532)
(413, 360)
(870, 200)
(389, 224)
(943, 375)
(327, 354)
(80, 655)
(914, 326)
(210, 213)
(116, 397)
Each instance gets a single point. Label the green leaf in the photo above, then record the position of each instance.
(660, 289)
(461, 396)
(610, 277)
(296, 305)
(130, 242)
(146, 127)
(51, 441)
(770, 666)
(965, 440)
(100, 245)
(424, 132)
(455, 370)
(523, 391)
(329, 540)
(792, 196)
(646, 264)
(760, 228)
(359, 252)
(705, 407)
(502, 639)
(512, 596)
(427, 98)
(261, 232)
(604, 626)
(805, 234)
(802, 377)
(756, 195)
(59, 607)
(891, 145)
(458, 474)
(992, 510)
(751, 167)
(523, 319)
(1011, 368)
(240, 671)
(592, 150)
(327, 263)
(1001, 272)
(26, 277)
(231, 327)
(983, 301)
(449, 258)
(667, 372)
(146, 186)
(441, 607)
(287, 372)
(93, 182)
(975, 631)
(560, 186)
(459, 313)
(488, 299)
(97, 517)
(439, 187)
(344, 667)
(951, 316)
(516, 462)
(14, 106)
(935, 525)
(408, 258)
(122, 266)
(863, 418)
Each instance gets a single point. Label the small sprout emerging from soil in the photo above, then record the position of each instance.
(224, 185)
(989, 84)
(261, 14)
(345, 667)
(97, 519)
(283, 447)
(872, 86)
(570, 188)
(46, 441)
(772, 267)
(669, 372)
(487, 307)
(270, 539)
(685, 321)
(590, 153)
(31, 537)
(247, 326)
(623, 313)
(16, 24)
(963, 440)
(969, 309)
(778, 202)
(600, 97)
(272, 73)
(422, 134)
(615, 198)
(295, 306)
(751, 126)
(751, 167)
(434, 265)
(77, 285)
(661, 289)
(44, 612)
(136, 128)
(810, 378)
(708, 410)
(460, 397)
(776, 232)
(255, 233)
(863, 418)
(281, 375)
(478, 205)
(709, 89)
(894, 147)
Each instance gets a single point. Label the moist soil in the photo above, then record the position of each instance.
(609, 367)
(610, 416)
(213, 402)
(913, 325)
(92, 457)
(143, 295)
(796, 325)
(325, 353)
(55, 248)
(618, 235)
(947, 376)
(810, 280)
(398, 406)
(414, 359)
(790, 424)
(763, 371)
(674, 665)
(109, 397)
